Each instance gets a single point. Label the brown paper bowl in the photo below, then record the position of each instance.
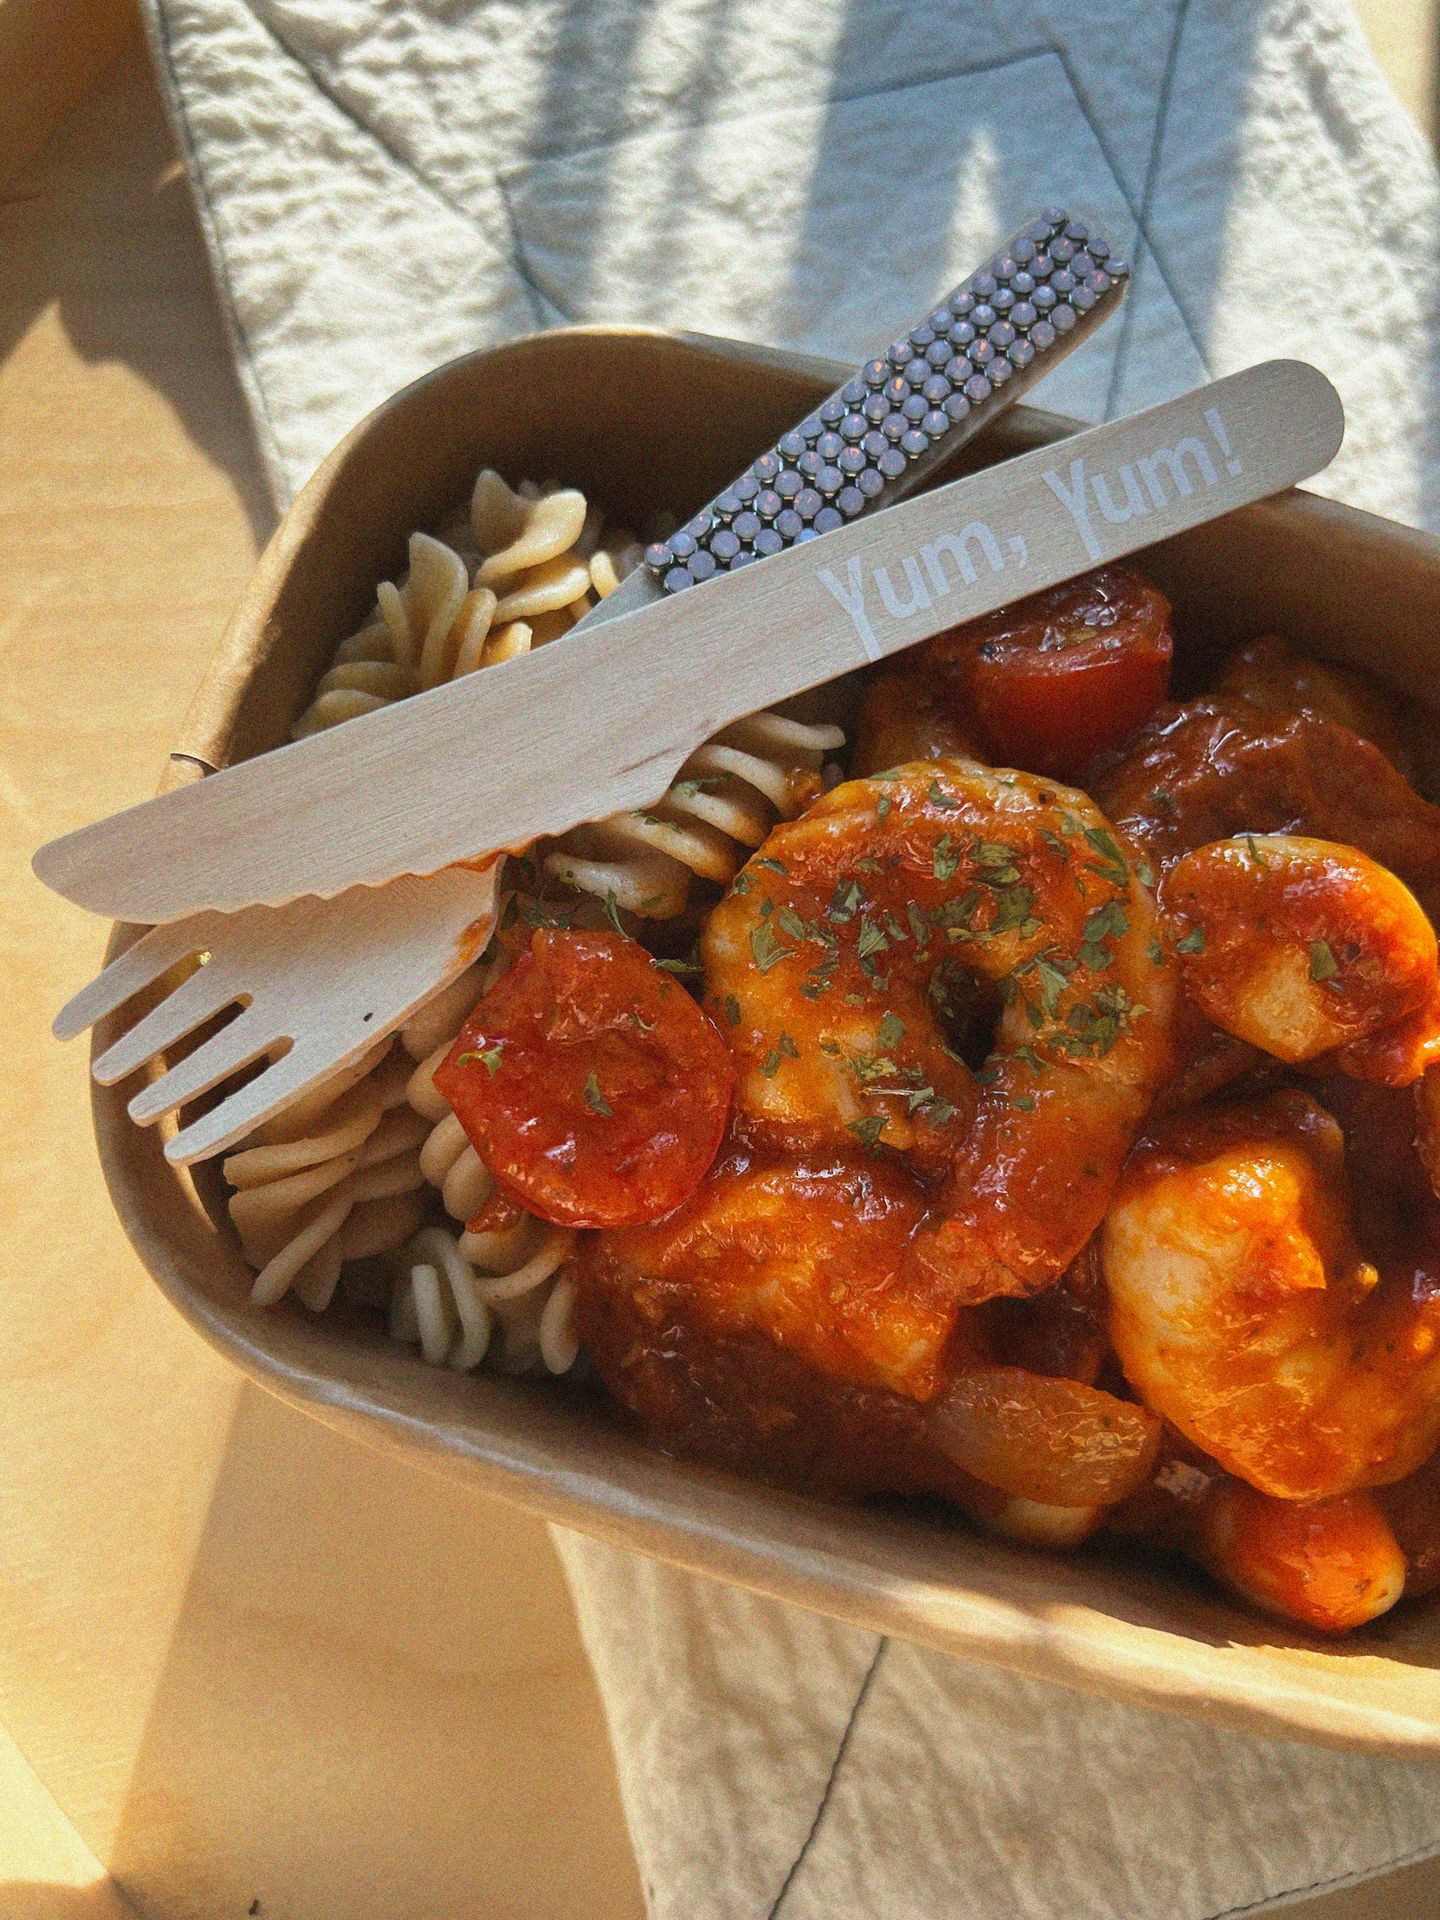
(641, 419)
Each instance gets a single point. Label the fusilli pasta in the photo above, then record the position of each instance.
(335, 1177)
(729, 795)
(358, 1170)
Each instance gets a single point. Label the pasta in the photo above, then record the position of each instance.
(729, 795)
(334, 1177)
(538, 566)
(371, 1172)
(504, 1264)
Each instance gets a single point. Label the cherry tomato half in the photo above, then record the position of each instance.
(1052, 680)
(590, 1083)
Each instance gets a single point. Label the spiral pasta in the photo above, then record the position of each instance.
(505, 1260)
(729, 795)
(538, 566)
(334, 1177)
(371, 1175)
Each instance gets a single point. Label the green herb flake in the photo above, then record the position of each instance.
(766, 948)
(679, 966)
(883, 806)
(1113, 866)
(489, 1059)
(1255, 853)
(1323, 965)
(612, 910)
(770, 1065)
(793, 924)
(872, 940)
(596, 1101)
(945, 859)
(1194, 942)
(845, 902)
(891, 1031)
(770, 866)
(732, 1009)
(947, 801)
(868, 1130)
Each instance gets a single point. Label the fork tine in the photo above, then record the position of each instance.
(205, 992)
(237, 1044)
(130, 973)
(242, 1111)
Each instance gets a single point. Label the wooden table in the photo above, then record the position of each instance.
(244, 1667)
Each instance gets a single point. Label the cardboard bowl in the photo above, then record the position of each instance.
(642, 419)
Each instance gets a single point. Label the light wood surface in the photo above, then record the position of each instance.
(241, 1660)
(247, 1660)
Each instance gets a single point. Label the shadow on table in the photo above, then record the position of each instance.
(374, 1701)
(111, 170)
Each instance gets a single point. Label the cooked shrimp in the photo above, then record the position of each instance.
(846, 955)
(907, 716)
(1220, 767)
(1330, 1564)
(1268, 672)
(1299, 946)
(809, 1257)
(1243, 1310)
(773, 1321)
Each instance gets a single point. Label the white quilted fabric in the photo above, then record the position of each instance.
(386, 183)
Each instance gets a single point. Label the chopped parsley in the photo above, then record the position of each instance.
(1112, 866)
(1194, 942)
(1323, 964)
(489, 1059)
(766, 948)
(891, 1031)
(868, 1130)
(944, 860)
(596, 1101)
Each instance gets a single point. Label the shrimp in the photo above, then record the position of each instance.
(1300, 947)
(1243, 1310)
(772, 1322)
(1332, 1564)
(842, 967)
(1268, 672)
(1219, 767)
(907, 716)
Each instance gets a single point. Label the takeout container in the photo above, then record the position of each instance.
(641, 419)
